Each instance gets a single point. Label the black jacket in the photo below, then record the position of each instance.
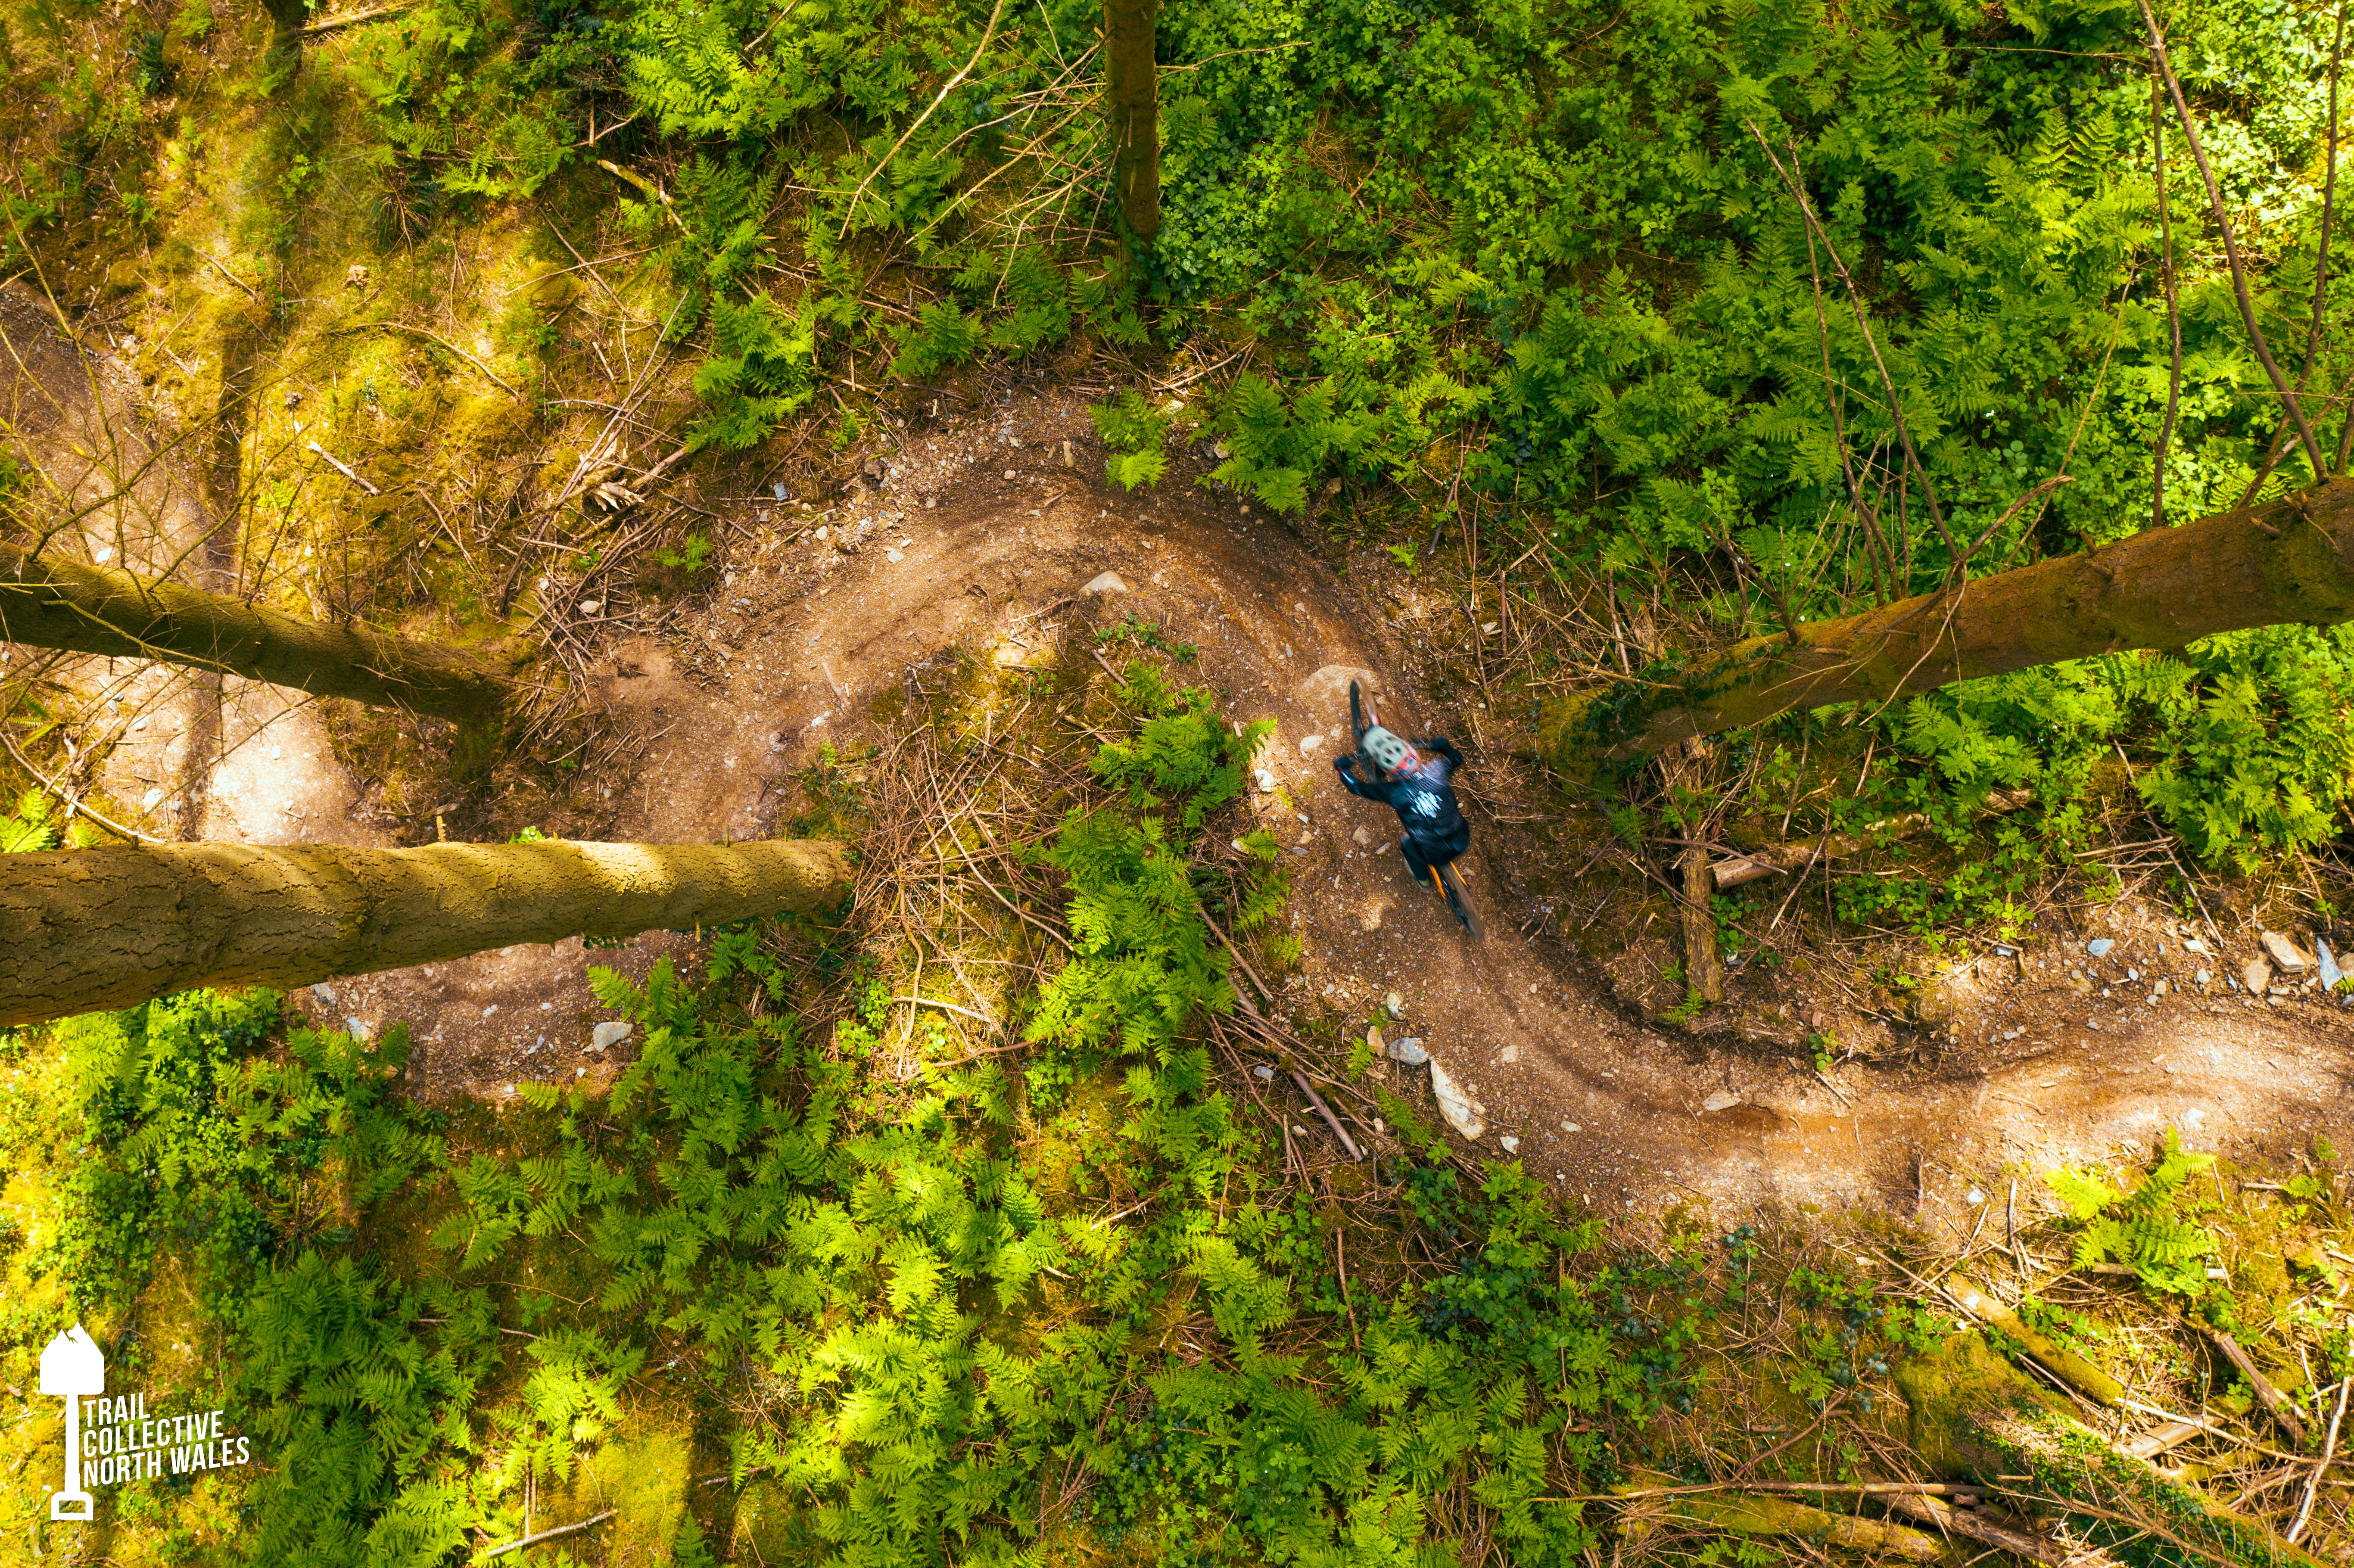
(1424, 800)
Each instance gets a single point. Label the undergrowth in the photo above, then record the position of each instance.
(1524, 268)
(910, 1302)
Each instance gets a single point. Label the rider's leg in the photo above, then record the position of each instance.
(1415, 863)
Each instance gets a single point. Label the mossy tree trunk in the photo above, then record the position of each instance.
(1974, 1416)
(2291, 560)
(1132, 90)
(48, 601)
(94, 928)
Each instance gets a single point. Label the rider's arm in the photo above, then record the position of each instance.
(1446, 748)
(1356, 783)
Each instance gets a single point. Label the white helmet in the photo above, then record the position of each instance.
(1388, 749)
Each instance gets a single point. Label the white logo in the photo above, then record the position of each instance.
(123, 1443)
(72, 1366)
(1424, 804)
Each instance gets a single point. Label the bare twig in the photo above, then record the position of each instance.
(2330, 1443)
(1871, 340)
(849, 209)
(340, 467)
(562, 1529)
(2231, 246)
(2173, 303)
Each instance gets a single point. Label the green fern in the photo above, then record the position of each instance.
(2153, 1229)
(30, 827)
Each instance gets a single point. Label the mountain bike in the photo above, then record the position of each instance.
(1446, 881)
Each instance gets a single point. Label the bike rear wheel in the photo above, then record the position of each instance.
(1458, 900)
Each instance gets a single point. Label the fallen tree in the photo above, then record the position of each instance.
(1972, 1414)
(2288, 560)
(48, 601)
(94, 928)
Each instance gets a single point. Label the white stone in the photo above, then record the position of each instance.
(1723, 1099)
(895, 555)
(2257, 975)
(1571, 1126)
(2285, 953)
(1264, 1075)
(1511, 1053)
(591, 606)
(1511, 1145)
(1463, 1112)
(150, 801)
(607, 1035)
(1107, 582)
(1409, 1052)
(1309, 744)
(1396, 1005)
(1265, 781)
(357, 1029)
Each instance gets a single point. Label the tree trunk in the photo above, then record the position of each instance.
(1973, 1415)
(93, 928)
(1132, 84)
(2291, 560)
(47, 601)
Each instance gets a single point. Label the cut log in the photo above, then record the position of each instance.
(94, 928)
(2273, 1400)
(1797, 855)
(2060, 1361)
(1746, 1513)
(1704, 972)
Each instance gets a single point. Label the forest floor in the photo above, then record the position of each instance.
(986, 542)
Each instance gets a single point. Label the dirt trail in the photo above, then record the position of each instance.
(974, 537)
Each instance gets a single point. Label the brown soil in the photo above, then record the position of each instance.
(977, 536)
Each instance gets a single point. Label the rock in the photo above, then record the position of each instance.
(357, 1029)
(1511, 1053)
(2285, 954)
(1309, 744)
(150, 801)
(324, 992)
(1974, 1197)
(607, 1035)
(2256, 976)
(2193, 945)
(1360, 838)
(1374, 1040)
(2099, 947)
(1511, 1145)
(1264, 1075)
(1108, 582)
(1009, 473)
(1396, 1005)
(591, 606)
(2203, 976)
(2330, 973)
(1463, 1112)
(1265, 781)
(1409, 1052)
(1723, 1099)
(895, 555)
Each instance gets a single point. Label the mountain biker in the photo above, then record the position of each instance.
(1411, 778)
